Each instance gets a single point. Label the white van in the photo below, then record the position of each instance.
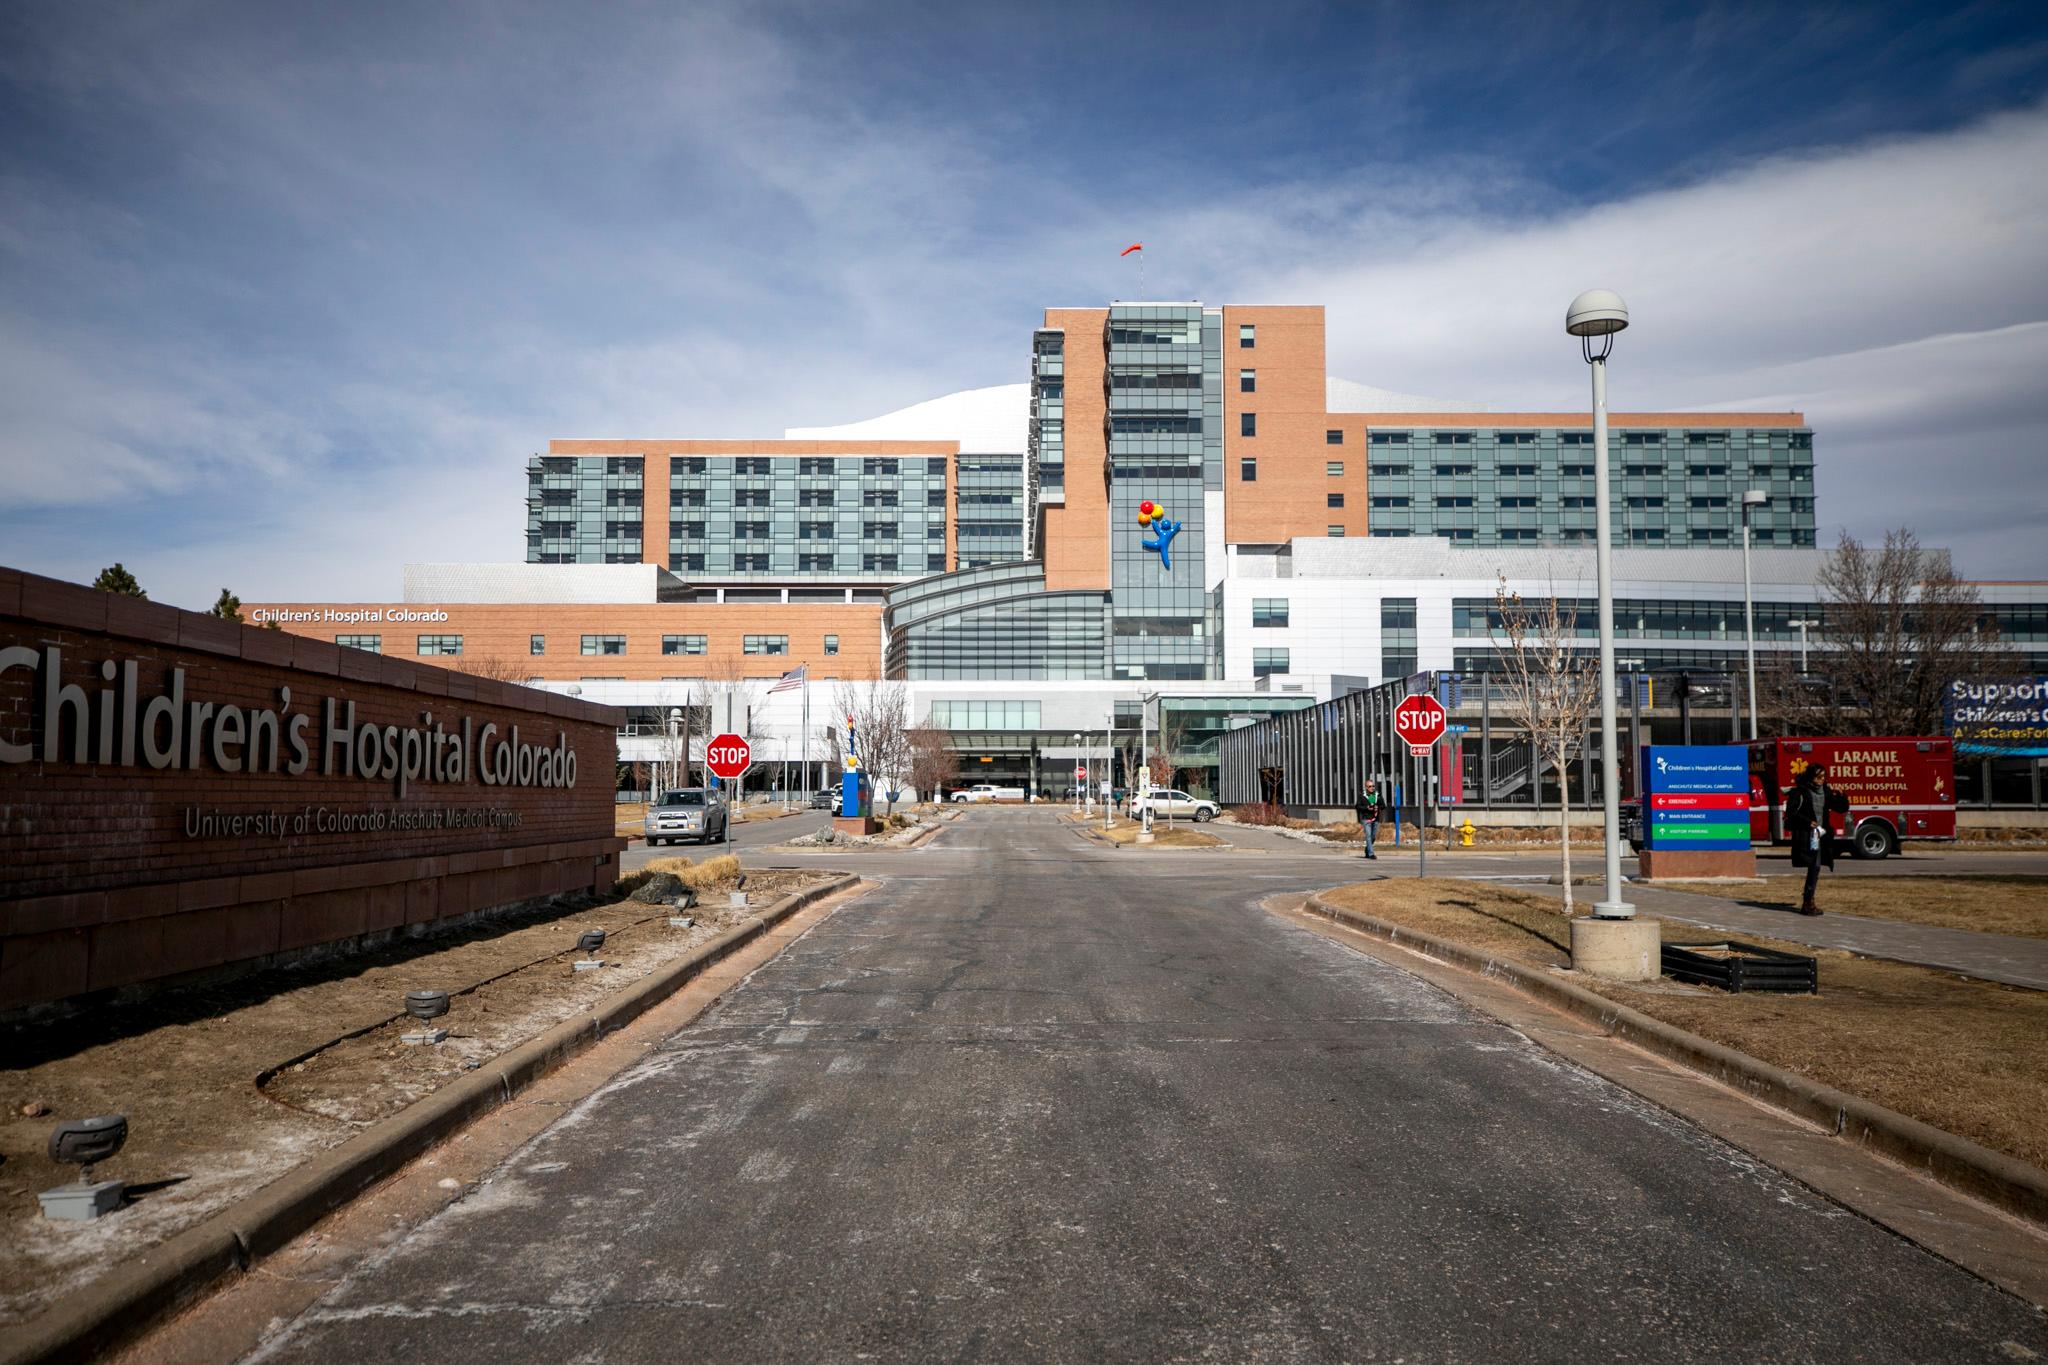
(984, 791)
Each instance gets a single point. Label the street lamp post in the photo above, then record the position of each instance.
(1594, 317)
(1802, 625)
(1754, 498)
(1108, 766)
(1081, 789)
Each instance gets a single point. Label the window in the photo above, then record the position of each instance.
(935, 466)
(814, 497)
(814, 530)
(1267, 662)
(1334, 468)
(766, 644)
(1453, 471)
(878, 497)
(682, 644)
(1645, 502)
(690, 530)
(1518, 471)
(814, 563)
(1247, 381)
(1452, 438)
(1334, 532)
(878, 465)
(831, 645)
(1576, 471)
(1334, 499)
(1247, 336)
(1641, 536)
(1247, 424)
(815, 464)
(536, 644)
(685, 497)
(936, 497)
(878, 563)
(1390, 500)
(1575, 502)
(878, 530)
(1643, 471)
(1248, 470)
(604, 644)
(751, 466)
(1390, 438)
(988, 715)
(750, 497)
(1517, 533)
(935, 561)
(1707, 471)
(1333, 438)
(439, 644)
(1517, 438)
(372, 643)
(1390, 471)
(1518, 502)
(935, 530)
(1575, 438)
(1390, 532)
(1455, 533)
(750, 563)
(1269, 611)
(1643, 438)
(1461, 500)
(1709, 502)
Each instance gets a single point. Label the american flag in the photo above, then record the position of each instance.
(793, 678)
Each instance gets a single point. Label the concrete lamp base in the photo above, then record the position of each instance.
(1618, 949)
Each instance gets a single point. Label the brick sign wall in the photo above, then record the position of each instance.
(180, 793)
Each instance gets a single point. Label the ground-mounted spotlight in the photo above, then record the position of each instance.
(86, 1142)
(425, 1006)
(589, 943)
(738, 898)
(686, 901)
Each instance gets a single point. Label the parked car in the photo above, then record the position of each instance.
(686, 813)
(825, 798)
(988, 791)
(1174, 805)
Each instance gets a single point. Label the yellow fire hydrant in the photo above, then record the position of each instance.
(1465, 832)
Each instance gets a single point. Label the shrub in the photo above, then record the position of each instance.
(1261, 813)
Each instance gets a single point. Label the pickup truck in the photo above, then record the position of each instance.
(983, 791)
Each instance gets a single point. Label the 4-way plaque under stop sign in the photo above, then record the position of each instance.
(1420, 720)
(728, 756)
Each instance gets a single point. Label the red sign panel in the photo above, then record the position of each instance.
(1700, 801)
(728, 756)
(1420, 721)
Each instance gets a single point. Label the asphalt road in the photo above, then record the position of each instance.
(1035, 1099)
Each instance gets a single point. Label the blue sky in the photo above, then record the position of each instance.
(288, 291)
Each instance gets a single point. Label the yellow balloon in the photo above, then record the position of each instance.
(1158, 513)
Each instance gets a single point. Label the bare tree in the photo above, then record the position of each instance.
(493, 666)
(1898, 628)
(724, 697)
(1550, 689)
(933, 763)
(1171, 735)
(880, 715)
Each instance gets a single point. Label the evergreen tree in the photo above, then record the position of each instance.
(227, 606)
(114, 578)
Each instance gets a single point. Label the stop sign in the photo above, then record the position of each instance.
(1420, 720)
(729, 755)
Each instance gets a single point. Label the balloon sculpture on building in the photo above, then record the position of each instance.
(1152, 517)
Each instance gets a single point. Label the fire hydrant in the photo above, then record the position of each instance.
(1465, 832)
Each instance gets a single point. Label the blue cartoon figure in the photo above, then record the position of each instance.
(1152, 517)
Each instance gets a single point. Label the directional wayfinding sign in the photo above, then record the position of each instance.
(1696, 796)
(728, 756)
(1420, 720)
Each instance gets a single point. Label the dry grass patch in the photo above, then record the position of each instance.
(1965, 1056)
(702, 876)
(1126, 831)
(1988, 905)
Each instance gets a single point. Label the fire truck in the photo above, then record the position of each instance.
(1899, 788)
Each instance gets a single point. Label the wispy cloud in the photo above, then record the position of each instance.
(289, 296)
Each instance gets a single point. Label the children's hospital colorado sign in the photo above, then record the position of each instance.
(180, 793)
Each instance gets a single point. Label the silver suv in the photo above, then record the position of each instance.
(685, 813)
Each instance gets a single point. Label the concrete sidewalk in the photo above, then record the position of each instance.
(1988, 957)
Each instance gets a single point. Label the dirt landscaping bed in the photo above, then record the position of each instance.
(1965, 1056)
(1987, 905)
(1124, 830)
(229, 1087)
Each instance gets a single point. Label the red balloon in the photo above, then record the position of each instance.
(1146, 508)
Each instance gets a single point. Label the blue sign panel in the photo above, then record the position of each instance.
(2001, 716)
(1696, 796)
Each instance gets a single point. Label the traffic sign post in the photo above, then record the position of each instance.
(1421, 721)
(728, 756)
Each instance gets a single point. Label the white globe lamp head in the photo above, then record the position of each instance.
(1755, 497)
(1596, 313)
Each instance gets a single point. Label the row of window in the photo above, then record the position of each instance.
(594, 645)
(1460, 469)
(819, 466)
(1798, 440)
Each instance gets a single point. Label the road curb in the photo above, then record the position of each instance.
(168, 1276)
(2007, 1184)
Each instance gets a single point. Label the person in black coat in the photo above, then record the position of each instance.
(1811, 808)
(1367, 809)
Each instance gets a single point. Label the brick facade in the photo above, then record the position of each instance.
(113, 875)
